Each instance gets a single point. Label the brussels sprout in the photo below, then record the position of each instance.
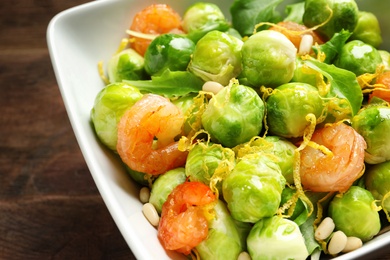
(139, 177)
(217, 57)
(377, 181)
(344, 15)
(368, 29)
(358, 57)
(110, 104)
(373, 123)
(168, 51)
(163, 186)
(288, 106)
(385, 55)
(188, 108)
(253, 189)
(223, 240)
(126, 65)
(353, 213)
(234, 115)
(203, 159)
(201, 18)
(284, 150)
(276, 238)
(268, 58)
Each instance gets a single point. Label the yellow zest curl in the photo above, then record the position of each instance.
(141, 35)
(101, 73)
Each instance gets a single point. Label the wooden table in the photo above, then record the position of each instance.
(50, 207)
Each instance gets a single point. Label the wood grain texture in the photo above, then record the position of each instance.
(50, 207)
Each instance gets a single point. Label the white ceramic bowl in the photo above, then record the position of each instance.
(78, 39)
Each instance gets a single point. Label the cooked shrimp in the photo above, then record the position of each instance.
(151, 117)
(383, 93)
(154, 19)
(340, 166)
(183, 223)
(294, 32)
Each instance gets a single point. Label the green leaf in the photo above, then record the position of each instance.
(295, 12)
(169, 84)
(332, 47)
(246, 14)
(343, 83)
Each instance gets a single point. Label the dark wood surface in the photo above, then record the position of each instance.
(50, 207)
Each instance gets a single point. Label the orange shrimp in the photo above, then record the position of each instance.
(151, 117)
(291, 31)
(183, 224)
(337, 170)
(383, 93)
(155, 19)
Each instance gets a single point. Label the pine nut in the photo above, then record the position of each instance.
(151, 214)
(306, 44)
(212, 86)
(337, 243)
(244, 256)
(325, 228)
(144, 194)
(353, 243)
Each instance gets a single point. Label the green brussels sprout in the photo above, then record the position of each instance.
(377, 181)
(284, 151)
(304, 74)
(109, 106)
(164, 185)
(188, 108)
(385, 55)
(139, 177)
(201, 18)
(354, 214)
(253, 189)
(368, 29)
(217, 57)
(126, 65)
(234, 115)
(358, 57)
(276, 238)
(268, 58)
(203, 159)
(344, 15)
(168, 51)
(223, 240)
(288, 106)
(373, 123)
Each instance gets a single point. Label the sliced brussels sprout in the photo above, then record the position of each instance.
(354, 214)
(276, 238)
(385, 55)
(110, 104)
